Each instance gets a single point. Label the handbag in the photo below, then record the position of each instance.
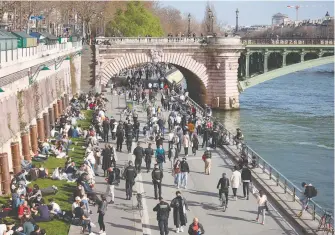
(253, 189)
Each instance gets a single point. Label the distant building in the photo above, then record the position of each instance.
(280, 19)
(7, 21)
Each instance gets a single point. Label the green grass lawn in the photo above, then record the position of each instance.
(65, 190)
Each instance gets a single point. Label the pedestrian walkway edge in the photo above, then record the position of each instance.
(272, 196)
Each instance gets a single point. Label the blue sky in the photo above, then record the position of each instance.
(254, 12)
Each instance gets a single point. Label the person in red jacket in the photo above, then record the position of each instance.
(196, 228)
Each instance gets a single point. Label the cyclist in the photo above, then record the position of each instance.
(310, 192)
(223, 186)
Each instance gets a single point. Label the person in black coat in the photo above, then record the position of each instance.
(179, 206)
(105, 127)
(195, 228)
(139, 154)
(149, 152)
(163, 211)
(106, 159)
(246, 179)
(119, 138)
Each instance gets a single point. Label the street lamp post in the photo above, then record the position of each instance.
(236, 27)
(211, 21)
(189, 25)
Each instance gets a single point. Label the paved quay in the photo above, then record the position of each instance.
(201, 194)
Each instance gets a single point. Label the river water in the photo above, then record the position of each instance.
(289, 121)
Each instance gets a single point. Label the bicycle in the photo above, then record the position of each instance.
(139, 205)
(325, 223)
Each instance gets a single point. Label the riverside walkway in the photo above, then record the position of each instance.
(201, 194)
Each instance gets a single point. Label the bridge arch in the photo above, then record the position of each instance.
(194, 71)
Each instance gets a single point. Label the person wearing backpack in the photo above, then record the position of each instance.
(160, 156)
(310, 192)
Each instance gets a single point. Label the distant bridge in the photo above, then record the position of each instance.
(266, 59)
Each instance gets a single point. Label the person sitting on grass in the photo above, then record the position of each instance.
(54, 207)
(28, 226)
(43, 211)
(36, 231)
(35, 196)
(23, 210)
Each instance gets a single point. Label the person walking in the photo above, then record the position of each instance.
(129, 137)
(157, 176)
(184, 171)
(105, 127)
(195, 143)
(207, 158)
(246, 179)
(119, 137)
(102, 211)
(129, 175)
(113, 127)
(106, 159)
(163, 211)
(223, 186)
(111, 182)
(196, 228)
(179, 206)
(186, 143)
(177, 172)
(235, 180)
(139, 154)
(160, 156)
(180, 138)
(262, 206)
(149, 152)
(136, 129)
(171, 138)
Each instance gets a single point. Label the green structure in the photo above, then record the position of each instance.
(25, 40)
(266, 59)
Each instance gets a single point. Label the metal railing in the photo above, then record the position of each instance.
(315, 209)
(287, 41)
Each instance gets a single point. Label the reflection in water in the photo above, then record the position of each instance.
(230, 119)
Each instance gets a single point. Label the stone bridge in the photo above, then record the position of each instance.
(216, 68)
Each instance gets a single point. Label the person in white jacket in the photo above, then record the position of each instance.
(235, 180)
(262, 206)
(114, 130)
(186, 143)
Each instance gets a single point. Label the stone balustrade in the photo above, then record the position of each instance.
(203, 40)
(287, 41)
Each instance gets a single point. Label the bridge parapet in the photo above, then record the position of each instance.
(287, 41)
(149, 40)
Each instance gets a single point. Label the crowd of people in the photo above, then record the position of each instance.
(173, 119)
